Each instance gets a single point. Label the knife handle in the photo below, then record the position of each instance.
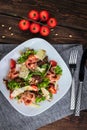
(72, 105)
(78, 103)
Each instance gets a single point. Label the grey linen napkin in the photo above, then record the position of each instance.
(10, 119)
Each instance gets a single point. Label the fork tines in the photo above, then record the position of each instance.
(73, 57)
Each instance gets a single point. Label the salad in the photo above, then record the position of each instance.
(32, 78)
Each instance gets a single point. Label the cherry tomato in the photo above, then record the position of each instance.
(52, 22)
(24, 24)
(35, 87)
(52, 89)
(34, 15)
(53, 62)
(34, 28)
(44, 31)
(12, 63)
(44, 15)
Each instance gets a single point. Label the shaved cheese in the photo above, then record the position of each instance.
(46, 93)
(23, 71)
(18, 67)
(40, 69)
(18, 91)
(56, 85)
(41, 54)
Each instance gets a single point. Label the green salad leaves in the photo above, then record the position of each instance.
(25, 55)
(44, 83)
(39, 99)
(58, 70)
(12, 85)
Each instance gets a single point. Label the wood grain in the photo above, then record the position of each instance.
(71, 16)
(69, 123)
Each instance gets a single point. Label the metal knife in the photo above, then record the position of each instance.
(81, 79)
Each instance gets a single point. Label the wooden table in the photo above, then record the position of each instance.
(72, 28)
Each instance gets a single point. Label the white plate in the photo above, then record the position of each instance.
(64, 82)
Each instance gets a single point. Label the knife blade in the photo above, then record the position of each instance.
(81, 79)
(82, 68)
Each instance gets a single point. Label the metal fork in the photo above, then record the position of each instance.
(72, 65)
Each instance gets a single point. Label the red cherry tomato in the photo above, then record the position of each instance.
(44, 15)
(34, 28)
(34, 15)
(35, 87)
(12, 63)
(24, 24)
(44, 31)
(53, 62)
(52, 89)
(52, 22)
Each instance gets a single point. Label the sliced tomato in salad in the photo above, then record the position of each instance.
(35, 87)
(12, 63)
(28, 102)
(10, 95)
(52, 89)
(53, 62)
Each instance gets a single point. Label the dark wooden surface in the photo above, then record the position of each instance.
(72, 28)
(71, 16)
(69, 123)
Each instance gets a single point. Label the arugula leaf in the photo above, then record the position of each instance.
(26, 83)
(39, 99)
(31, 74)
(25, 55)
(45, 66)
(28, 77)
(17, 97)
(44, 83)
(13, 85)
(36, 73)
(58, 70)
(51, 95)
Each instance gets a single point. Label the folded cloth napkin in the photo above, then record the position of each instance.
(10, 119)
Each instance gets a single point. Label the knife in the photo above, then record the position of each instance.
(81, 80)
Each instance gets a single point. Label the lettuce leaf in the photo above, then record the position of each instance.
(58, 70)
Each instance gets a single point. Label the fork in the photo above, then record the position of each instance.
(72, 65)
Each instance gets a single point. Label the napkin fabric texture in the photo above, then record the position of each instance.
(10, 119)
